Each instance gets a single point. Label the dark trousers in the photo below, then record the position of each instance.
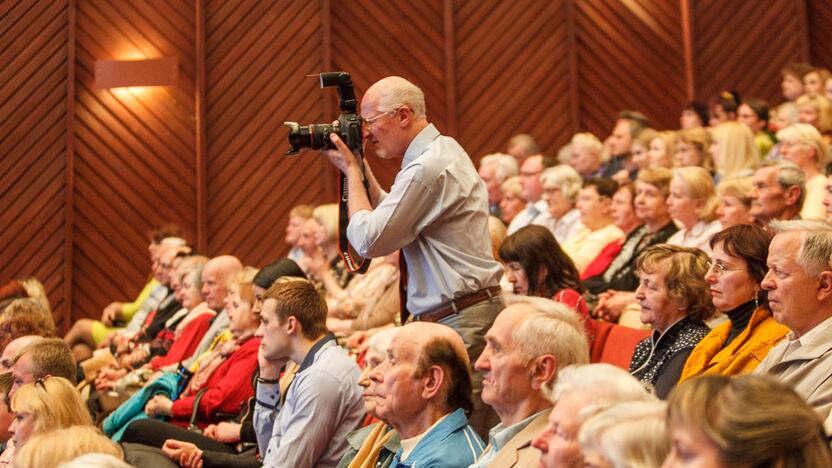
(154, 434)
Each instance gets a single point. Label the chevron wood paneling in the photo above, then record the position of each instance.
(257, 56)
(819, 17)
(629, 57)
(33, 87)
(134, 147)
(511, 62)
(743, 45)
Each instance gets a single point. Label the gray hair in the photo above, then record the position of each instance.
(790, 175)
(553, 329)
(809, 136)
(588, 142)
(563, 177)
(629, 434)
(604, 384)
(505, 165)
(380, 342)
(815, 243)
(396, 92)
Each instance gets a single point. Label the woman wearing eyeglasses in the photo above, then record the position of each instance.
(738, 265)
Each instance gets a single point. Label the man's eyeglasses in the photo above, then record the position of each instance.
(719, 268)
(370, 121)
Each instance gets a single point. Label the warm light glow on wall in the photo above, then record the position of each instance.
(111, 74)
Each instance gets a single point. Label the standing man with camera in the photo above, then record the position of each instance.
(436, 212)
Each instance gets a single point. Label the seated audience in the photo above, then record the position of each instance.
(424, 393)
(693, 149)
(529, 342)
(674, 300)
(799, 287)
(738, 265)
(723, 108)
(660, 150)
(692, 203)
(536, 211)
(595, 207)
(309, 424)
(370, 300)
(694, 115)
(49, 357)
(297, 216)
(494, 170)
(817, 112)
(623, 213)
(778, 190)
(521, 146)
(24, 317)
(55, 446)
(561, 185)
(375, 444)
(628, 434)
(579, 390)
(722, 422)
(753, 113)
(535, 265)
(586, 154)
(733, 150)
(791, 84)
(46, 403)
(512, 202)
(614, 287)
(214, 386)
(803, 145)
(11, 350)
(325, 265)
(813, 82)
(639, 154)
(734, 201)
(628, 126)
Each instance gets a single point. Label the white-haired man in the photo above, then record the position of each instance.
(436, 212)
(778, 191)
(494, 170)
(529, 342)
(579, 391)
(799, 286)
(586, 154)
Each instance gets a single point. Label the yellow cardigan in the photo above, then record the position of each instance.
(745, 353)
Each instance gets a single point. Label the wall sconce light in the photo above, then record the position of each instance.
(124, 73)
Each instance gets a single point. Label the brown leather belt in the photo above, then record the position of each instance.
(456, 305)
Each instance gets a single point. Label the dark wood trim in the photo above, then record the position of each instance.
(450, 67)
(199, 111)
(69, 188)
(805, 40)
(571, 33)
(687, 47)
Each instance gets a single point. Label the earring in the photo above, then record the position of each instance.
(756, 299)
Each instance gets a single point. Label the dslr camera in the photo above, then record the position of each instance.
(348, 126)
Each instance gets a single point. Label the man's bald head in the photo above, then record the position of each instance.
(12, 349)
(215, 275)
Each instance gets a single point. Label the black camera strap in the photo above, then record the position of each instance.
(355, 263)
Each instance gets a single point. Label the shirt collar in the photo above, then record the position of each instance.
(500, 435)
(419, 144)
(819, 333)
(310, 356)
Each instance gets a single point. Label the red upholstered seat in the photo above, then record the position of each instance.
(615, 344)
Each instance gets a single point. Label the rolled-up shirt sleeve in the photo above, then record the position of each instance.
(397, 219)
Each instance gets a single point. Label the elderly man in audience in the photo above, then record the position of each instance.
(11, 350)
(799, 285)
(423, 390)
(308, 425)
(628, 126)
(495, 169)
(47, 357)
(586, 154)
(537, 210)
(778, 191)
(580, 391)
(529, 342)
(521, 146)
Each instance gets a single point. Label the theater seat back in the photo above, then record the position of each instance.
(615, 344)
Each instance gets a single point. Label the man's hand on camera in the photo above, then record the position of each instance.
(342, 158)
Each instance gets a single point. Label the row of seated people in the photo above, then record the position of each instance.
(417, 382)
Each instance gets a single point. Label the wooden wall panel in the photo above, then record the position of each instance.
(819, 17)
(134, 147)
(258, 54)
(629, 57)
(743, 46)
(511, 61)
(33, 50)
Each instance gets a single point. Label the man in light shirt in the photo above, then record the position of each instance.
(537, 211)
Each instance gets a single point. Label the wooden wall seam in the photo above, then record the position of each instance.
(450, 67)
(199, 111)
(687, 45)
(69, 167)
(574, 104)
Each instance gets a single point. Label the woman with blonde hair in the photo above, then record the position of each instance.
(692, 149)
(50, 448)
(734, 151)
(640, 150)
(660, 150)
(632, 434)
(813, 82)
(734, 201)
(815, 111)
(326, 266)
(693, 203)
(803, 145)
(512, 201)
(48, 403)
(720, 422)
